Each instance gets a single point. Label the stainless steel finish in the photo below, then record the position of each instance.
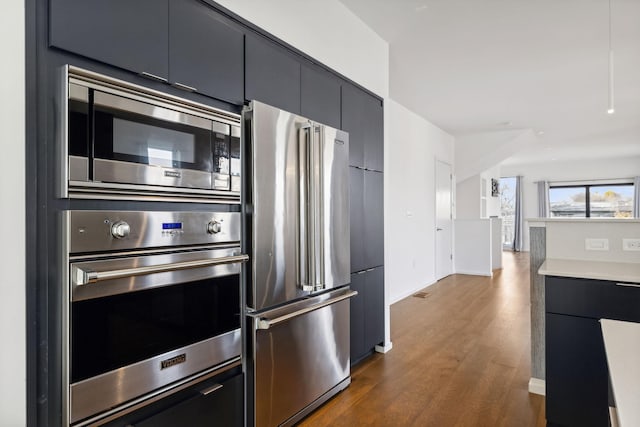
(65, 335)
(140, 93)
(81, 277)
(90, 230)
(334, 248)
(153, 77)
(184, 87)
(120, 229)
(263, 321)
(218, 127)
(114, 388)
(136, 173)
(78, 93)
(275, 197)
(211, 389)
(145, 109)
(316, 403)
(235, 131)
(235, 183)
(62, 134)
(78, 169)
(220, 181)
(305, 216)
(214, 227)
(630, 285)
(116, 191)
(159, 394)
(299, 361)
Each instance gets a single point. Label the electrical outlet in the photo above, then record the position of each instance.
(631, 244)
(596, 244)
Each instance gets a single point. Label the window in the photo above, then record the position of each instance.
(507, 190)
(591, 201)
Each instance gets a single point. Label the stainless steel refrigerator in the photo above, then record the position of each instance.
(296, 205)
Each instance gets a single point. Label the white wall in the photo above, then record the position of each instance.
(327, 31)
(614, 168)
(471, 201)
(473, 247)
(413, 147)
(12, 216)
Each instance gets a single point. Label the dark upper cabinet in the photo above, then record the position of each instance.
(373, 219)
(272, 75)
(362, 117)
(320, 96)
(128, 34)
(577, 391)
(367, 312)
(205, 51)
(357, 226)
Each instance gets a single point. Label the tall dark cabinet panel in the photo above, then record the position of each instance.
(357, 224)
(272, 75)
(576, 372)
(206, 52)
(373, 219)
(320, 96)
(367, 312)
(363, 118)
(128, 34)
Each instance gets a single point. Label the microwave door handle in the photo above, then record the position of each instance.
(302, 230)
(82, 277)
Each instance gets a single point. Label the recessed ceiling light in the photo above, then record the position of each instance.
(507, 123)
(540, 132)
(422, 8)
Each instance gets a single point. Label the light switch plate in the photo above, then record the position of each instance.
(631, 244)
(596, 244)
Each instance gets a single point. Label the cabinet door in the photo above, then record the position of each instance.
(128, 34)
(362, 117)
(576, 372)
(373, 219)
(374, 307)
(205, 51)
(272, 75)
(320, 96)
(357, 317)
(357, 223)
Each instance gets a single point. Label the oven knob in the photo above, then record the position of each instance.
(214, 227)
(120, 229)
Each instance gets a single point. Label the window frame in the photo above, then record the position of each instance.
(587, 189)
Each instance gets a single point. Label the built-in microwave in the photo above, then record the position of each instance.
(125, 141)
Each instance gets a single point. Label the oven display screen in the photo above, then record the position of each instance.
(172, 226)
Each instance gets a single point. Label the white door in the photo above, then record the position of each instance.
(444, 221)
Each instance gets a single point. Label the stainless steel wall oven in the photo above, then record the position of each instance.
(153, 303)
(120, 140)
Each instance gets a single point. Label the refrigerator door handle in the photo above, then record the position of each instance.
(305, 260)
(265, 323)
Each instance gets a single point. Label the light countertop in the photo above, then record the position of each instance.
(601, 270)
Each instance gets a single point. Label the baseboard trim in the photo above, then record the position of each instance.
(384, 348)
(475, 273)
(537, 386)
(396, 298)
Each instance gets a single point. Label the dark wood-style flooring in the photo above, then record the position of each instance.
(460, 357)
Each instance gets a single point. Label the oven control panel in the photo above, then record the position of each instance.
(97, 231)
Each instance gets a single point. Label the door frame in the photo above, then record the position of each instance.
(451, 210)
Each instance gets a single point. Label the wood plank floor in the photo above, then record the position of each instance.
(460, 357)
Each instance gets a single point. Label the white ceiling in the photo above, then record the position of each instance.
(482, 65)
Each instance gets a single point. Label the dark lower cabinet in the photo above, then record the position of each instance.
(272, 75)
(576, 372)
(577, 376)
(128, 34)
(216, 402)
(367, 312)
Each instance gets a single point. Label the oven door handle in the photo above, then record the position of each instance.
(85, 277)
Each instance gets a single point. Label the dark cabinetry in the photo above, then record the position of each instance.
(183, 42)
(206, 51)
(272, 75)
(577, 376)
(367, 219)
(362, 117)
(320, 96)
(367, 312)
(129, 34)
